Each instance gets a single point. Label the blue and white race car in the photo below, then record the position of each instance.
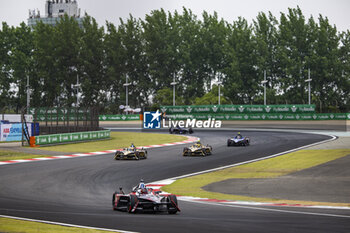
(238, 140)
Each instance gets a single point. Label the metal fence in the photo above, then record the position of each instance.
(66, 120)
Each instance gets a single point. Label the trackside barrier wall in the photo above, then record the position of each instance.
(248, 109)
(263, 116)
(239, 117)
(119, 117)
(71, 137)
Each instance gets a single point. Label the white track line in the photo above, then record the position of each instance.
(274, 210)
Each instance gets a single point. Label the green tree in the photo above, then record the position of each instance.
(48, 88)
(212, 97)
(92, 63)
(135, 64)
(193, 75)
(21, 62)
(265, 31)
(325, 66)
(242, 81)
(165, 97)
(115, 69)
(214, 33)
(344, 51)
(67, 50)
(292, 53)
(6, 43)
(155, 34)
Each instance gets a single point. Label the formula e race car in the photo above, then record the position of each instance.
(131, 153)
(143, 199)
(197, 149)
(180, 130)
(238, 140)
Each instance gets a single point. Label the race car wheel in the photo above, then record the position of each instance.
(185, 151)
(204, 153)
(113, 201)
(117, 155)
(172, 206)
(131, 204)
(228, 143)
(190, 131)
(137, 156)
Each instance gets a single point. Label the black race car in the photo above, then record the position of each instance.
(180, 130)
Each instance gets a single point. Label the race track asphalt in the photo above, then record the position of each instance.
(79, 190)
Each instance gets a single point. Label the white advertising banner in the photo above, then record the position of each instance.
(12, 132)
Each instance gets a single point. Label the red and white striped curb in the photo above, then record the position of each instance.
(159, 184)
(190, 139)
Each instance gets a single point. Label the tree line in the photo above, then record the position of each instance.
(151, 52)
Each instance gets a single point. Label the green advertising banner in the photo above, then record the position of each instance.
(119, 117)
(71, 137)
(238, 116)
(60, 114)
(264, 116)
(297, 108)
(60, 111)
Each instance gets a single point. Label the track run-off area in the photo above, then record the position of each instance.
(78, 191)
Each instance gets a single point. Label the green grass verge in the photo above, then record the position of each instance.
(117, 140)
(15, 226)
(270, 168)
(13, 155)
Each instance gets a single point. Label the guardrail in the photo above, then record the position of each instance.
(240, 117)
(236, 109)
(69, 137)
(119, 117)
(264, 116)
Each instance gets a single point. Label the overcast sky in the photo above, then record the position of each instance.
(338, 11)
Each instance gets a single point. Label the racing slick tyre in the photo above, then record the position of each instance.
(116, 155)
(131, 204)
(113, 199)
(204, 152)
(172, 206)
(208, 151)
(137, 156)
(190, 131)
(228, 143)
(185, 151)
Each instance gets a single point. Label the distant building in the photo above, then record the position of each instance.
(54, 10)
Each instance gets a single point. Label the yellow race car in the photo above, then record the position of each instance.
(197, 149)
(131, 153)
